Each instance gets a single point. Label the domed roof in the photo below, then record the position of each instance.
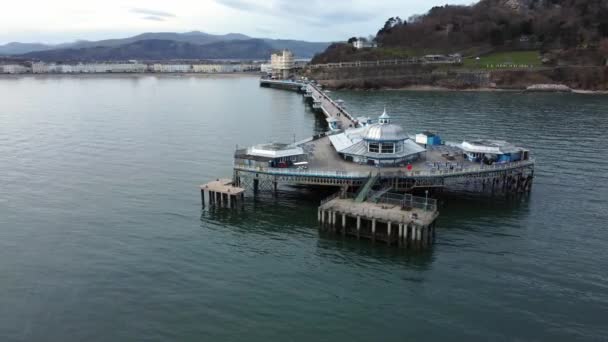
(385, 132)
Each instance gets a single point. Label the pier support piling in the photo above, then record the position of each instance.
(373, 229)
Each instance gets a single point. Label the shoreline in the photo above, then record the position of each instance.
(131, 75)
(476, 90)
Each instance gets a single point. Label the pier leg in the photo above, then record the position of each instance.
(333, 221)
(425, 234)
(343, 224)
(373, 229)
(228, 197)
(358, 227)
(406, 228)
(322, 217)
(319, 214)
(203, 198)
(400, 235)
(256, 185)
(388, 233)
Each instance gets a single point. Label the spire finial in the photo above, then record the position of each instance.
(384, 118)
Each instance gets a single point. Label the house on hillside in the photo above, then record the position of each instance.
(362, 43)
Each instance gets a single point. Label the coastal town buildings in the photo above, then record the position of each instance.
(266, 68)
(127, 67)
(13, 69)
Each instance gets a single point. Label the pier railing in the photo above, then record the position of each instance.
(405, 61)
(399, 174)
(402, 200)
(332, 102)
(300, 172)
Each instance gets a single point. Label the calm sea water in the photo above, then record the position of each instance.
(102, 237)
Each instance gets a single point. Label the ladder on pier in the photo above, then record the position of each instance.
(362, 194)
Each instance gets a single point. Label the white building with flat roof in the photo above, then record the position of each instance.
(282, 63)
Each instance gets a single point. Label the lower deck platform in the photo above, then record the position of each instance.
(408, 222)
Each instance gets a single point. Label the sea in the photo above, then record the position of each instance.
(103, 237)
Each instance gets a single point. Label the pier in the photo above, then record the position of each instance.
(320, 100)
(283, 84)
(398, 219)
(375, 167)
(330, 108)
(222, 193)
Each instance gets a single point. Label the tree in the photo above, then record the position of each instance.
(351, 40)
(496, 37)
(603, 49)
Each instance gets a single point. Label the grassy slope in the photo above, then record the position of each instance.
(494, 60)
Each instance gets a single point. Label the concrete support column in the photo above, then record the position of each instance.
(343, 224)
(319, 214)
(373, 229)
(400, 235)
(358, 226)
(333, 220)
(229, 198)
(388, 233)
(425, 233)
(405, 231)
(322, 216)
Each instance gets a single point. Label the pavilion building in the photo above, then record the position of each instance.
(381, 144)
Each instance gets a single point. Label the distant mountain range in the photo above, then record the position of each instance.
(164, 46)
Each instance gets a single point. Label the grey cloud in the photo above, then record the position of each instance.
(153, 18)
(242, 5)
(152, 13)
(313, 12)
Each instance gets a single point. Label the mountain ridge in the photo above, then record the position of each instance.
(231, 41)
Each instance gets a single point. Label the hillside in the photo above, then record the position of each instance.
(236, 44)
(569, 28)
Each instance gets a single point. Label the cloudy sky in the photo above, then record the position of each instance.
(54, 21)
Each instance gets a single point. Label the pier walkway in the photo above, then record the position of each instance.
(283, 84)
(330, 108)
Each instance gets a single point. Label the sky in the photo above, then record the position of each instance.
(57, 21)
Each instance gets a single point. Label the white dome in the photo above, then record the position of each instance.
(385, 132)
